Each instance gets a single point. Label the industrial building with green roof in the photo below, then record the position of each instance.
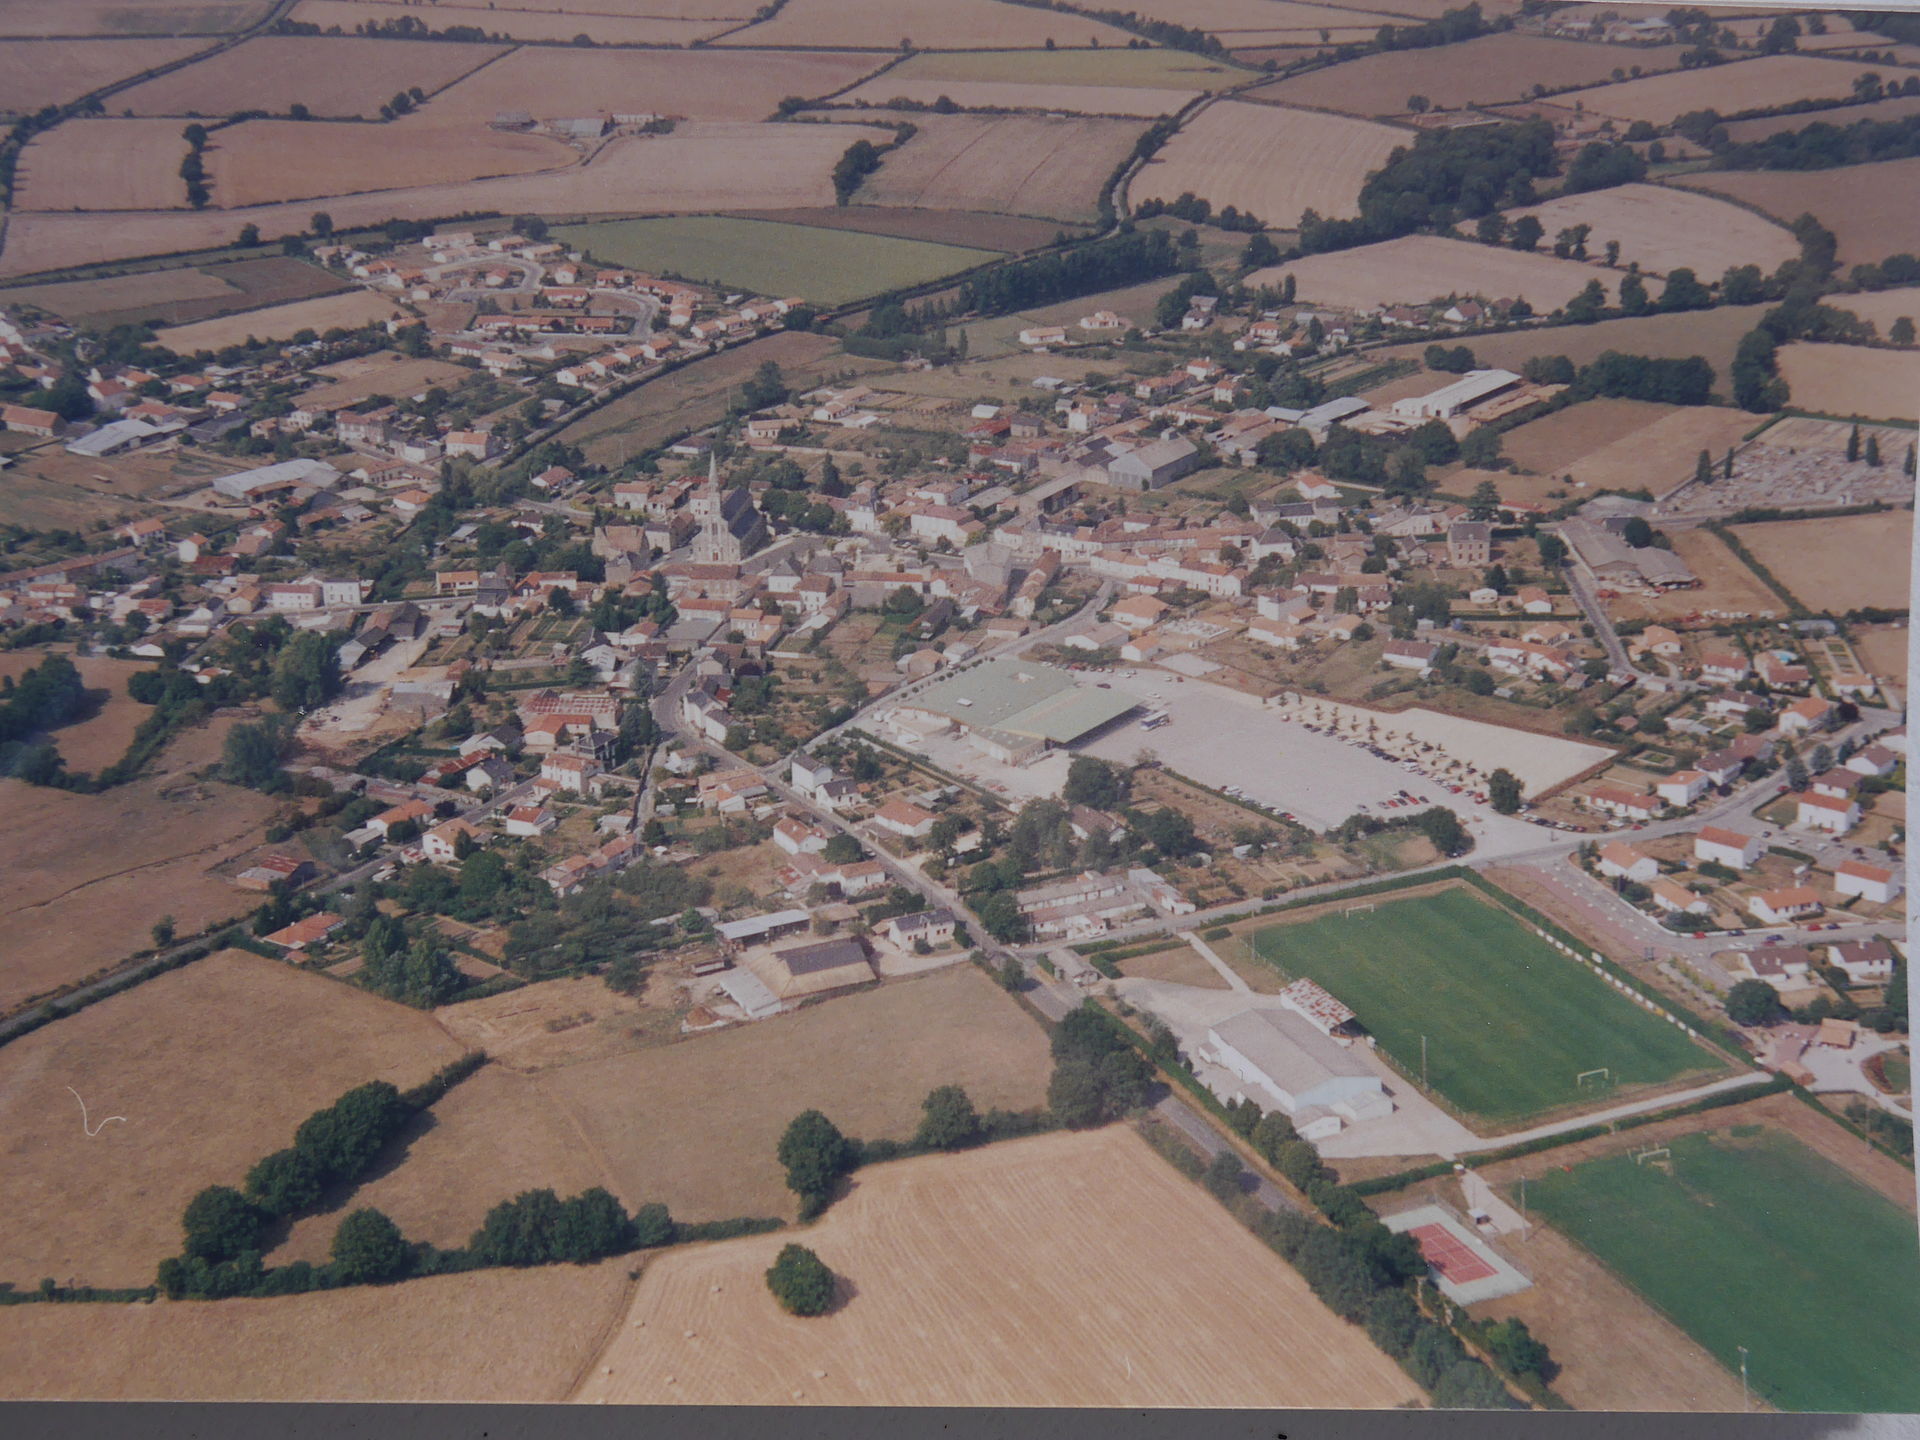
(1018, 706)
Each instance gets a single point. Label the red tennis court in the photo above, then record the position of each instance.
(1450, 1255)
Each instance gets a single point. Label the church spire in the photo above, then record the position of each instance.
(713, 471)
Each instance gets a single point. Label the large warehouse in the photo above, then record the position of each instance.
(1013, 710)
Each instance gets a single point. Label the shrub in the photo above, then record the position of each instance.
(368, 1248)
(801, 1282)
(220, 1225)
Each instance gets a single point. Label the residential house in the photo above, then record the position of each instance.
(1805, 716)
(1824, 812)
(441, 844)
(1621, 861)
(1627, 804)
(1782, 966)
(1410, 655)
(934, 927)
(1792, 902)
(580, 774)
(1682, 788)
(1866, 962)
(1876, 760)
(903, 817)
(1878, 884)
(1731, 848)
(1676, 898)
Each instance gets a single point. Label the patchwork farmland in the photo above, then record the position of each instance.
(1016, 164)
(1661, 229)
(1729, 89)
(332, 77)
(1864, 205)
(1419, 268)
(37, 73)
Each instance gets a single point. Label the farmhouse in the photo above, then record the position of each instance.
(1280, 1059)
(1727, 847)
(310, 931)
(1469, 543)
(1879, 884)
(1621, 861)
(1776, 907)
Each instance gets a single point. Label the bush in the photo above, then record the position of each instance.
(815, 1155)
(220, 1225)
(948, 1120)
(801, 1282)
(1753, 1002)
(368, 1248)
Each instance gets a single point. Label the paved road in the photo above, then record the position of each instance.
(1583, 587)
(1619, 1112)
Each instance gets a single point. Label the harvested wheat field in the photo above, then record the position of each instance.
(212, 1066)
(992, 95)
(699, 84)
(1485, 71)
(1612, 444)
(926, 24)
(264, 162)
(1743, 85)
(1711, 334)
(1850, 380)
(102, 737)
(523, 22)
(1418, 268)
(700, 167)
(104, 165)
(83, 878)
(1063, 70)
(1745, 132)
(1855, 562)
(180, 295)
(552, 1023)
(334, 76)
(1227, 155)
(36, 73)
(348, 311)
(1231, 19)
(1068, 1269)
(695, 1124)
(489, 1139)
(1663, 228)
(490, 1335)
(1882, 307)
(1869, 208)
(129, 17)
(1016, 164)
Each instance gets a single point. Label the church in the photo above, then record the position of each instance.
(731, 525)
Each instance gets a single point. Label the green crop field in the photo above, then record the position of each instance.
(1510, 1022)
(1752, 1239)
(827, 267)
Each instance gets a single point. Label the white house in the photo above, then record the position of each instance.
(441, 843)
(1669, 895)
(903, 817)
(578, 773)
(1782, 966)
(529, 820)
(933, 926)
(1865, 961)
(1879, 884)
(1682, 788)
(796, 837)
(1777, 907)
(1875, 760)
(1727, 847)
(1826, 812)
(1621, 861)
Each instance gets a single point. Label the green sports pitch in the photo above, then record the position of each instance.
(1748, 1238)
(1511, 1024)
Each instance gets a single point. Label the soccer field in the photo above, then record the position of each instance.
(828, 267)
(1752, 1239)
(1510, 1023)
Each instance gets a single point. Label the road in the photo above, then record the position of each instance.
(1583, 589)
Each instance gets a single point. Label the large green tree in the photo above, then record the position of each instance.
(1753, 1002)
(801, 1281)
(815, 1155)
(1503, 791)
(220, 1224)
(368, 1248)
(306, 672)
(948, 1120)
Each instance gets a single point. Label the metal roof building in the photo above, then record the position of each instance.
(1024, 698)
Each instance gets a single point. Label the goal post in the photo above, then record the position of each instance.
(1598, 1079)
(1652, 1152)
(1352, 910)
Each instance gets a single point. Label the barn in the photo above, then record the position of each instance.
(795, 971)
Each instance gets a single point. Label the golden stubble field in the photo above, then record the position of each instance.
(1069, 1269)
(608, 22)
(695, 1124)
(1869, 208)
(1418, 268)
(1852, 380)
(212, 1067)
(101, 738)
(129, 17)
(925, 25)
(1850, 563)
(348, 311)
(1746, 85)
(1625, 444)
(1226, 155)
(1014, 164)
(104, 165)
(1023, 95)
(504, 1336)
(333, 76)
(264, 162)
(1662, 229)
(34, 73)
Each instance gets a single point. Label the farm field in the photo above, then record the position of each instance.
(1744, 85)
(694, 395)
(1854, 562)
(47, 487)
(264, 162)
(828, 267)
(1849, 380)
(1507, 1031)
(212, 1066)
(1625, 444)
(1013, 164)
(129, 17)
(695, 1124)
(1479, 72)
(489, 1139)
(1712, 334)
(928, 24)
(1883, 651)
(102, 737)
(84, 877)
(333, 76)
(969, 229)
(37, 73)
(488, 1335)
(1247, 21)
(1744, 132)
(524, 22)
(1727, 586)
(700, 84)
(1749, 1238)
(1882, 307)
(1663, 228)
(1418, 268)
(701, 166)
(1225, 155)
(1059, 71)
(993, 95)
(962, 1293)
(385, 372)
(103, 165)
(1868, 207)
(179, 295)
(348, 311)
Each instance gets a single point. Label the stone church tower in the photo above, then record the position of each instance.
(731, 525)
